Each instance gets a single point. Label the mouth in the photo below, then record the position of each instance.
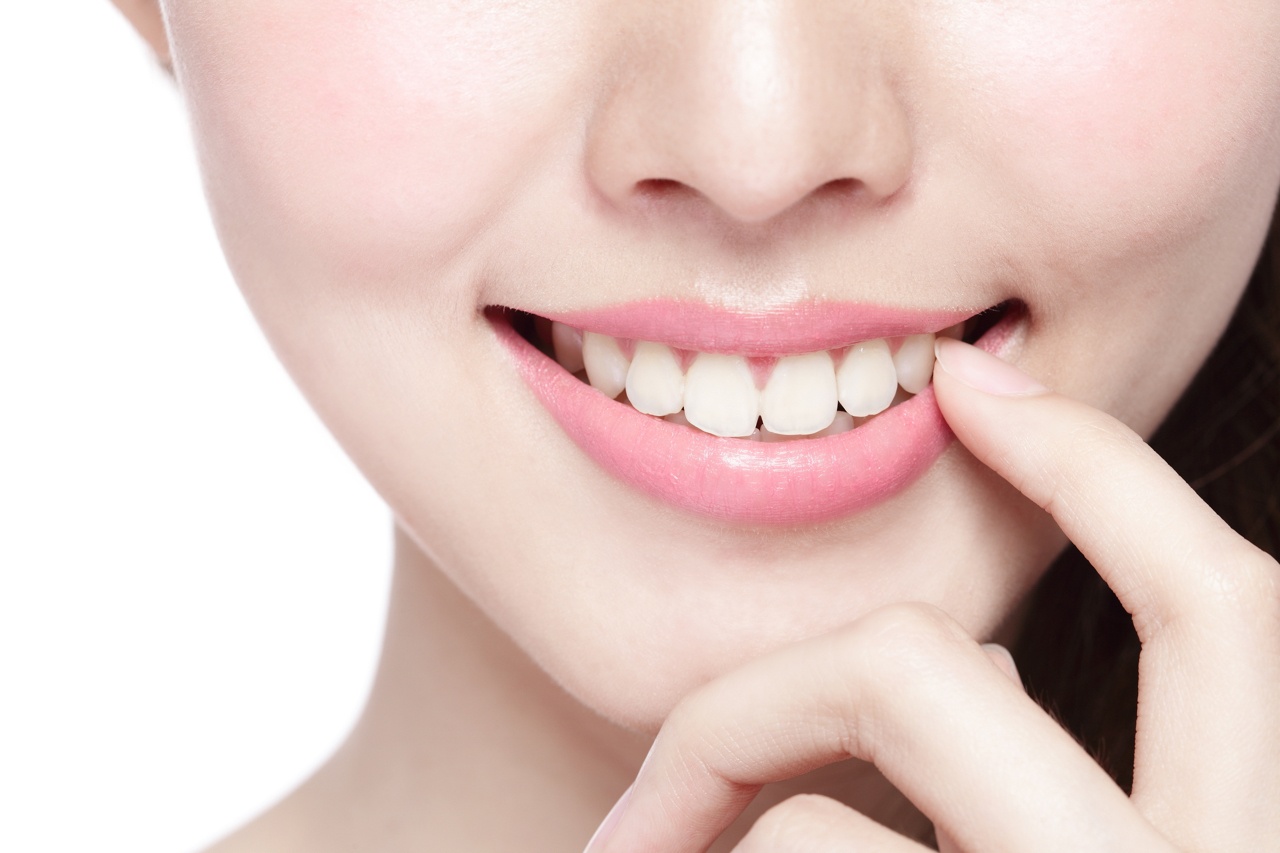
(789, 417)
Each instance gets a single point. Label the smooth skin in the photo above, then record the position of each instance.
(379, 171)
(907, 689)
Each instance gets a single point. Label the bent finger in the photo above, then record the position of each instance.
(906, 689)
(1205, 602)
(1003, 660)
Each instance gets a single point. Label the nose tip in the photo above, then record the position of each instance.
(761, 175)
(747, 202)
(752, 203)
(752, 113)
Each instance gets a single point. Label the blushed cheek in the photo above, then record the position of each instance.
(1138, 122)
(375, 135)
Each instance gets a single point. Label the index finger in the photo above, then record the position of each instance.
(1204, 600)
(906, 689)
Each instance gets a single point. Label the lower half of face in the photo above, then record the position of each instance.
(626, 311)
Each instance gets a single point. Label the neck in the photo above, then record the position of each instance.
(466, 744)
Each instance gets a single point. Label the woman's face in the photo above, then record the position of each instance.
(737, 177)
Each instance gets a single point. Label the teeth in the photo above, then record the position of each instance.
(914, 363)
(720, 395)
(567, 343)
(800, 396)
(867, 379)
(605, 362)
(842, 423)
(655, 383)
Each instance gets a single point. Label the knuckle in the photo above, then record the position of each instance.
(1237, 589)
(1248, 586)
(689, 745)
(695, 741)
(1261, 573)
(905, 633)
(887, 657)
(699, 706)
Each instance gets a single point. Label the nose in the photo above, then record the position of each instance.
(752, 106)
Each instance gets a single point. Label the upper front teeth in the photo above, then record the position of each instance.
(718, 393)
(800, 396)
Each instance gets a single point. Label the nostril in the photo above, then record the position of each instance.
(662, 189)
(840, 188)
(744, 202)
(659, 185)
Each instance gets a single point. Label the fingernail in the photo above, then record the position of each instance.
(1002, 658)
(609, 823)
(983, 371)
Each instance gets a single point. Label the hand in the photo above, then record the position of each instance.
(995, 773)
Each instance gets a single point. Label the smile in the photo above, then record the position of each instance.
(783, 418)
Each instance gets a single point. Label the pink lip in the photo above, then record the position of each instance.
(798, 482)
(807, 327)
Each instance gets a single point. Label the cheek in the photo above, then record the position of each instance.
(1136, 123)
(377, 134)
(1131, 152)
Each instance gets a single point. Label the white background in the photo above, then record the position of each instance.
(192, 576)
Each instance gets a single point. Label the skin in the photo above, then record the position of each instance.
(381, 171)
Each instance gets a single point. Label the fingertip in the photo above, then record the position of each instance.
(1003, 659)
(980, 370)
(610, 823)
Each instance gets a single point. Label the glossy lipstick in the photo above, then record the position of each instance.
(729, 479)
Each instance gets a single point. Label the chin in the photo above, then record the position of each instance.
(630, 616)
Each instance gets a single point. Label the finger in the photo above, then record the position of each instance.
(946, 844)
(1205, 602)
(813, 824)
(1003, 660)
(906, 689)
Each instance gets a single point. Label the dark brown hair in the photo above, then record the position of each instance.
(1079, 654)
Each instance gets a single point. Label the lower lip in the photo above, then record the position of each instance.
(731, 479)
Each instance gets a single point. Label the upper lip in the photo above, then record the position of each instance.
(797, 328)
